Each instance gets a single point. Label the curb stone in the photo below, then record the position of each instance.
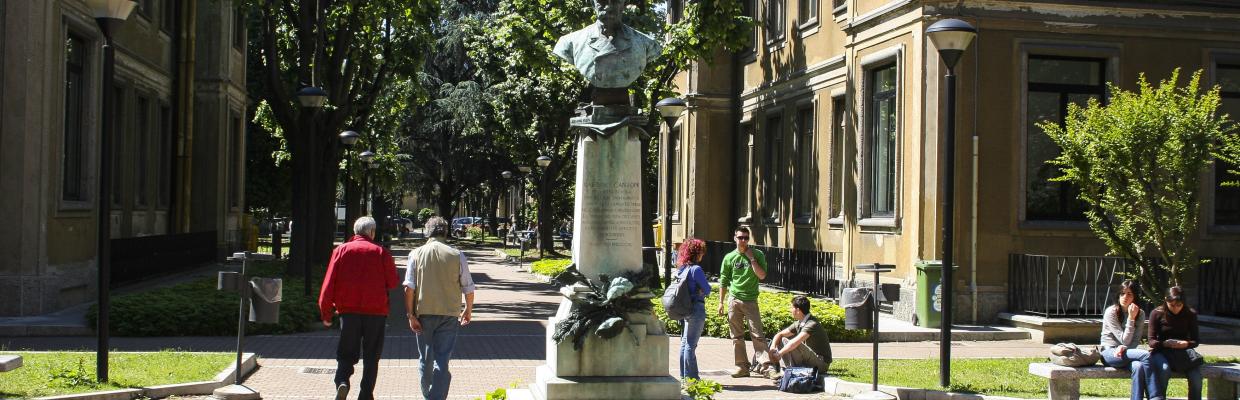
(249, 362)
(837, 386)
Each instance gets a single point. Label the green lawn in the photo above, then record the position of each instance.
(1000, 376)
(57, 373)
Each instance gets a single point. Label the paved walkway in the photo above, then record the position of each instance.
(502, 346)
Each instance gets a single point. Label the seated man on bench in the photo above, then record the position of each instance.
(804, 343)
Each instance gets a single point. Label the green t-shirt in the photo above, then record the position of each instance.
(736, 275)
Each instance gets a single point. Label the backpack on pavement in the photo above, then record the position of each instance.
(678, 299)
(798, 380)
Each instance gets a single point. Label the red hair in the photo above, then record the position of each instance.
(690, 250)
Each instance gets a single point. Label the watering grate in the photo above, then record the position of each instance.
(317, 370)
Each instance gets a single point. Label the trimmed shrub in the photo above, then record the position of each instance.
(196, 308)
(774, 308)
(550, 267)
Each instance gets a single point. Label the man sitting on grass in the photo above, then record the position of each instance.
(804, 343)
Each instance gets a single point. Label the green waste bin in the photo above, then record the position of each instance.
(929, 293)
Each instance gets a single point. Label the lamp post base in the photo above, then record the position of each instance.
(235, 392)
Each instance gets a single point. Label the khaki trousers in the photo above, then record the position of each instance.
(740, 313)
(803, 356)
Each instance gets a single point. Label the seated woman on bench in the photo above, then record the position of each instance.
(1173, 332)
(1122, 325)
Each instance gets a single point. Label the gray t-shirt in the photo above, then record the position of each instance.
(1127, 333)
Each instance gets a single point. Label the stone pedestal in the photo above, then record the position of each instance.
(607, 241)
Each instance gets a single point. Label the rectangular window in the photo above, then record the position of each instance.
(807, 10)
(673, 177)
(837, 157)
(745, 171)
(750, 9)
(775, 17)
(168, 10)
(165, 152)
(1053, 83)
(1227, 198)
(676, 10)
(839, 6)
(234, 169)
(118, 147)
(881, 149)
(238, 27)
(73, 162)
(807, 179)
(772, 171)
(142, 151)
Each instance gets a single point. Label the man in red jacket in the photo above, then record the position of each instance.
(356, 286)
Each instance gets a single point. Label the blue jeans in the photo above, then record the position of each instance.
(690, 333)
(1137, 361)
(1162, 372)
(435, 345)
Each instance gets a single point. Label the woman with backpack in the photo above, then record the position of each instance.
(694, 280)
(1122, 325)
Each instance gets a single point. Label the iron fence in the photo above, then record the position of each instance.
(1219, 280)
(1063, 286)
(808, 271)
(139, 258)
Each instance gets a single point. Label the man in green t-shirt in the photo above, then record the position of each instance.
(805, 342)
(739, 275)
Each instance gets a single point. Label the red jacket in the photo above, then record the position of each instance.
(358, 279)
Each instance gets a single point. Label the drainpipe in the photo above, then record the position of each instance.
(185, 151)
(973, 236)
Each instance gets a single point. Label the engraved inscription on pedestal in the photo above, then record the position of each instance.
(608, 206)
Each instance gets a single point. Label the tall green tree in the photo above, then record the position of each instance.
(352, 49)
(1138, 162)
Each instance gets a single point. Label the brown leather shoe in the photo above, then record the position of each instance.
(741, 372)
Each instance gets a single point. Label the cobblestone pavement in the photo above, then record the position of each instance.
(503, 346)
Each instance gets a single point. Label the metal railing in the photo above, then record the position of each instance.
(1218, 282)
(808, 271)
(1063, 286)
(140, 258)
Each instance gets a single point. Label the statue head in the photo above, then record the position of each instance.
(609, 12)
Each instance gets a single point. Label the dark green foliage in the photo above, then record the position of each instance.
(774, 307)
(196, 308)
(607, 317)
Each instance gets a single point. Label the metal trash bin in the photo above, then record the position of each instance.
(265, 297)
(858, 308)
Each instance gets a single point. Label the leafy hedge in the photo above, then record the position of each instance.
(550, 267)
(196, 308)
(775, 317)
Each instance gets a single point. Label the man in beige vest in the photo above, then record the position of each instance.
(435, 280)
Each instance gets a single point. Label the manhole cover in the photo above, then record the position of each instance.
(318, 370)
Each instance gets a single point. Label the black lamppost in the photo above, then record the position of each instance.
(670, 109)
(367, 157)
(109, 15)
(312, 98)
(512, 204)
(543, 161)
(951, 37)
(348, 139)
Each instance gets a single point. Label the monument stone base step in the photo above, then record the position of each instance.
(547, 386)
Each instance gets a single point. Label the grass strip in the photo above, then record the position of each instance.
(59, 373)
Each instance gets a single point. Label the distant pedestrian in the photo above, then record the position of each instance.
(804, 343)
(739, 275)
(356, 286)
(436, 279)
(688, 270)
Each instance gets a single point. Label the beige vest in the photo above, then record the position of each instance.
(439, 279)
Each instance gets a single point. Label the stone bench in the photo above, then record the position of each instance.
(9, 363)
(1065, 382)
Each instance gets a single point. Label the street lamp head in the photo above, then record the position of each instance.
(670, 108)
(312, 97)
(349, 138)
(506, 174)
(525, 169)
(111, 9)
(951, 37)
(367, 156)
(543, 161)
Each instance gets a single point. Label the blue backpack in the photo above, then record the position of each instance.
(799, 380)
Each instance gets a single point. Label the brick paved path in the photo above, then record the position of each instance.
(502, 346)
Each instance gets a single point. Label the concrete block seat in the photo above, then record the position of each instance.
(1065, 382)
(9, 363)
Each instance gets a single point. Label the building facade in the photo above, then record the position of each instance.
(826, 134)
(177, 170)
